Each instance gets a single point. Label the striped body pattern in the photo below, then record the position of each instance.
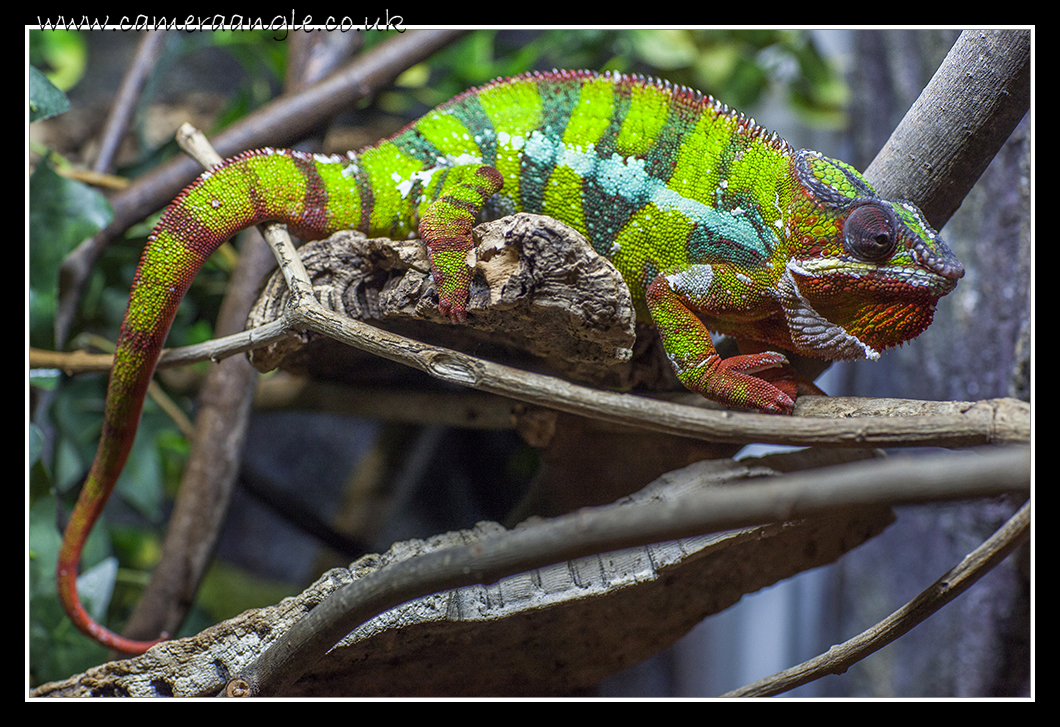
(714, 223)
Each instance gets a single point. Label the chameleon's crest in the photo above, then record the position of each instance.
(830, 180)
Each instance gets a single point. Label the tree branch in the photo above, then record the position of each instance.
(596, 530)
(957, 125)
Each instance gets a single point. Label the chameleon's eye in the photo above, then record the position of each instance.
(869, 233)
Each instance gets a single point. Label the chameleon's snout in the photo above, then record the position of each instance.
(942, 262)
(927, 246)
(951, 268)
(939, 259)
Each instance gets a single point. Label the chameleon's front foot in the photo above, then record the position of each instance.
(455, 312)
(761, 381)
(735, 382)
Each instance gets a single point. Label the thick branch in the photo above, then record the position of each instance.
(957, 125)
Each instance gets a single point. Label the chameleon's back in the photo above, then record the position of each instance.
(618, 158)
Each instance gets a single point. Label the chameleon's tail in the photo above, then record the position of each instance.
(254, 187)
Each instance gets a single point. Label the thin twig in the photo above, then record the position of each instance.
(195, 144)
(718, 426)
(841, 657)
(213, 350)
(121, 111)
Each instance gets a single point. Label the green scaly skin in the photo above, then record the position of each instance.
(714, 223)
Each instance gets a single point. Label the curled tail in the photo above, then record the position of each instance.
(311, 194)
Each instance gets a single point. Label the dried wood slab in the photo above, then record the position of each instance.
(539, 288)
(553, 631)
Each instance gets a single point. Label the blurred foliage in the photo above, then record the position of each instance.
(740, 66)
(61, 55)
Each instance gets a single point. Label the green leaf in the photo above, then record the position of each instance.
(45, 100)
(664, 49)
(61, 54)
(62, 213)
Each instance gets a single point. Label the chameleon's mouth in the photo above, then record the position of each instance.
(945, 266)
(861, 309)
(938, 278)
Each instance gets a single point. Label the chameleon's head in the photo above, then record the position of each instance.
(863, 273)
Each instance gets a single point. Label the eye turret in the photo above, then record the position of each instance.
(869, 233)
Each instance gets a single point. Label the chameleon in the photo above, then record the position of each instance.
(714, 223)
